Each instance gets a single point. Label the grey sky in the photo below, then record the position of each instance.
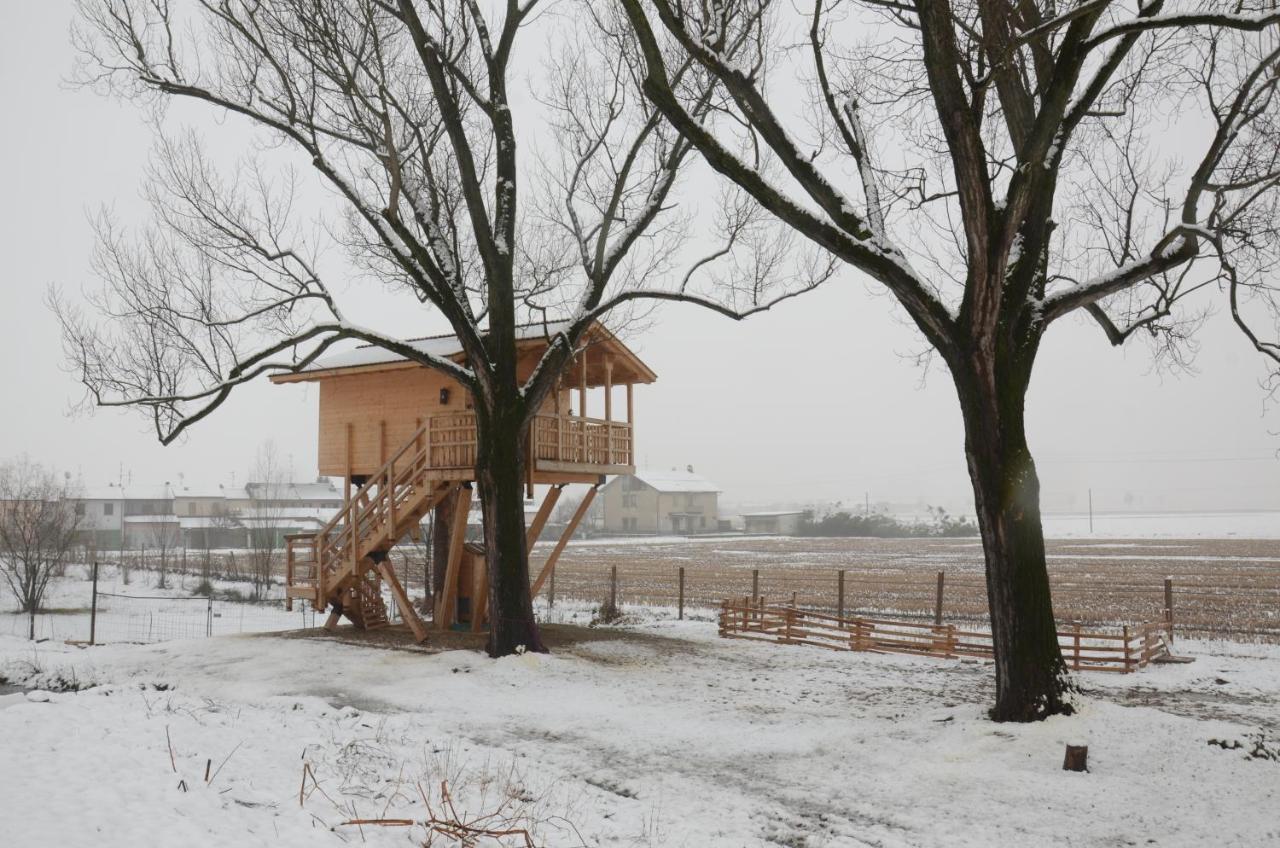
(817, 401)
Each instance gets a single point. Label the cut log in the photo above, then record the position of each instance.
(1077, 758)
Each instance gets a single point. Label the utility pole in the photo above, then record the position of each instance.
(1091, 510)
(866, 510)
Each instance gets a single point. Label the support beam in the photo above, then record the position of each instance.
(346, 478)
(479, 593)
(608, 388)
(544, 513)
(407, 612)
(550, 564)
(446, 604)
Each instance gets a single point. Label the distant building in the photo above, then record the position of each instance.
(142, 517)
(784, 523)
(660, 502)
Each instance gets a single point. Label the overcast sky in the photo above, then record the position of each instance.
(817, 401)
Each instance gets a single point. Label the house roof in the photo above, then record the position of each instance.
(122, 493)
(628, 368)
(773, 514)
(674, 481)
(323, 491)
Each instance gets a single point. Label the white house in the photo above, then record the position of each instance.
(654, 501)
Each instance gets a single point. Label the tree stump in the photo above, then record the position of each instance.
(1077, 758)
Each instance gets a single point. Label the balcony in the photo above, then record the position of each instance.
(558, 444)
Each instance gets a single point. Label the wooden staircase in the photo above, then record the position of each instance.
(344, 564)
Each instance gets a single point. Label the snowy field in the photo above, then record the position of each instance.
(659, 734)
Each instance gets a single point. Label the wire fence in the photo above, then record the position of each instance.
(158, 618)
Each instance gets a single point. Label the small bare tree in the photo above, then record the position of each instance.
(998, 165)
(268, 491)
(39, 519)
(403, 111)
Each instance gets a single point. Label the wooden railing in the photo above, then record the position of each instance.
(556, 438)
(741, 618)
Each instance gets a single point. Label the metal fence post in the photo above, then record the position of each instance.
(551, 590)
(93, 607)
(208, 617)
(613, 588)
(755, 583)
(1168, 609)
(681, 613)
(840, 593)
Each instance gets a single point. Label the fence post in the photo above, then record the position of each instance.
(755, 583)
(840, 593)
(613, 588)
(681, 607)
(1075, 660)
(937, 604)
(1126, 648)
(551, 590)
(1168, 609)
(208, 617)
(93, 607)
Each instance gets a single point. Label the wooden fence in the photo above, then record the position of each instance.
(1084, 650)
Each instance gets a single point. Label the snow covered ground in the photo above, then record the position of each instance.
(662, 734)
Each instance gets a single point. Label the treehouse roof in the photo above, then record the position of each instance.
(531, 339)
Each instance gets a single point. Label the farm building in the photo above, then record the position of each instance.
(402, 437)
(784, 523)
(653, 501)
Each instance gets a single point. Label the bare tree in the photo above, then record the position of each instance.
(403, 111)
(268, 491)
(163, 537)
(998, 165)
(39, 519)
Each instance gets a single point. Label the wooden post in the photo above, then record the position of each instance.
(407, 612)
(93, 607)
(631, 427)
(680, 606)
(840, 593)
(1168, 609)
(1077, 758)
(1126, 649)
(346, 483)
(448, 599)
(937, 603)
(755, 583)
(613, 589)
(382, 442)
(793, 600)
(551, 590)
(1075, 658)
(544, 513)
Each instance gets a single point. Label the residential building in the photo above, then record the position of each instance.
(781, 523)
(652, 501)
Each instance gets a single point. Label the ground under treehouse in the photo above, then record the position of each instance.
(403, 438)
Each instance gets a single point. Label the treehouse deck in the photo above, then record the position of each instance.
(368, 401)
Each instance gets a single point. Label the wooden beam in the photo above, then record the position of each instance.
(550, 564)
(479, 593)
(346, 477)
(608, 388)
(407, 612)
(544, 513)
(446, 606)
(631, 415)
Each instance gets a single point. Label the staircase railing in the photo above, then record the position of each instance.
(368, 511)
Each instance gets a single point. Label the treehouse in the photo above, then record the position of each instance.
(402, 437)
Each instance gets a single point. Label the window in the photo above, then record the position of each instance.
(108, 509)
(629, 501)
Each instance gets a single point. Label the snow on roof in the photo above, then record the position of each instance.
(773, 513)
(323, 491)
(444, 345)
(123, 493)
(675, 481)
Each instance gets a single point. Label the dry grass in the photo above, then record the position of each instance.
(1222, 587)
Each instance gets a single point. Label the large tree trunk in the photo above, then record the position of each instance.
(1031, 678)
(500, 473)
